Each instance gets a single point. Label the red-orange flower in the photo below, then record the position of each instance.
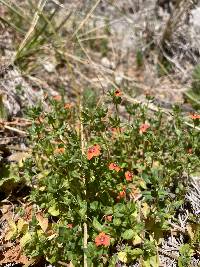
(68, 106)
(108, 218)
(118, 93)
(144, 127)
(102, 240)
(190, 151)
(115, 130)
(129, 176)
(70, 225)
(195, 116)
(122, 194)
(57, 97)
(59, 150)
(40, 119)
(114, 166)
(93, 151)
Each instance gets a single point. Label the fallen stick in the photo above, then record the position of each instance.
(15, 130)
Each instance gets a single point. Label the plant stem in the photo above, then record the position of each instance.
(85, 243)
(85, 234)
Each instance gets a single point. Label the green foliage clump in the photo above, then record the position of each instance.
(164, 67)
(196, 80)
(139, 59)
(185, 255)
(193, 94)
(119, 177)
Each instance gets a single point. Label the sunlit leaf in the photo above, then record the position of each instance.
(152, 261)
(40, 232)
(122, 256)
(43, 222)
(25, 239)
(145, 209)
(137, 240)
(12, 232)
(22, 225)
(128, 234)
(97, 225)
(117, 221)
(54, 211)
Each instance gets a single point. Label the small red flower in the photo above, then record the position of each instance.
(70, 225)
(129, 176)
(68, 106)
(195, 116)
(122, 194)
(144, 127)
(118, 93)
(59, 150)
(102, 240)
(108, 218)
(115, 130)
(190, 151)
(114, 166)
(93, 151)
(57, 97)
(40, 119)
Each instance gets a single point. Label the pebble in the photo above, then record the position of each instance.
(118, 78)
(107, 63)
(49, 67)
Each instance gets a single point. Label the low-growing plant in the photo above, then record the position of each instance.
(185, 255)
(193, 94)
(105, 186)
(196, 80)
(139, 58)
(164, 67)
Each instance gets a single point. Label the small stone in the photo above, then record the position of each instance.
(49, 67)
(106, 62)
(118, 78)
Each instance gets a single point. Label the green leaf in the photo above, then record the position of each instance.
(94, 205)
(122, 256)
(128, 234)
(108, 210)
(22, 225)
(83, 209)
(43, 222)
(25, 239)
(117, 221)
(52, 259)
(152, 261)
(136, 252)
(119, 210)
(12, 232)
(186, 253)
(137, 240)
(97, 226)
(54, 211)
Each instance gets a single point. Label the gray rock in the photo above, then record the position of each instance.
(15, 92)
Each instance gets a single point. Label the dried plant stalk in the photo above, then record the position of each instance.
(182, 6)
